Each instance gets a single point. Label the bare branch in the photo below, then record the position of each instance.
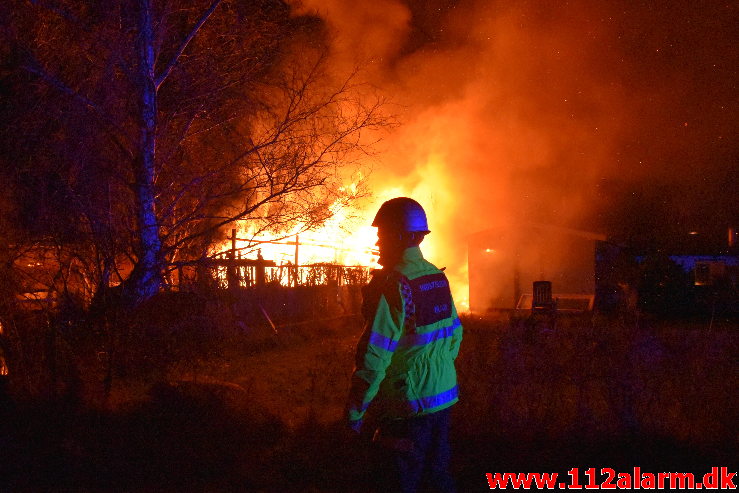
(181, 49)
(35, 68)
(65, 14)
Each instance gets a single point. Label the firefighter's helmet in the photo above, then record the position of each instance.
(403, 214)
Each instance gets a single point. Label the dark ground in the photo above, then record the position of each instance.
(590, 393)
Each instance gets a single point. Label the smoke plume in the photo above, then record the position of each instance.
(546, 111)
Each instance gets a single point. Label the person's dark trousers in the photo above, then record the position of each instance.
(424, 466)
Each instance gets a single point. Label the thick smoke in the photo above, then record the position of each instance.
(547, 112)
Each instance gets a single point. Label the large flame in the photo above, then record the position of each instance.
(348, 238)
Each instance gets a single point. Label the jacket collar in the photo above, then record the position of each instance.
(412, 254)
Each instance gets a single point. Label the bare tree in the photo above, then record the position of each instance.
(178, 118)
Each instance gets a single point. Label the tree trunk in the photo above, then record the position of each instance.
(147, 275)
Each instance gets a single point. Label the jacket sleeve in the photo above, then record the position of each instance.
(374, 352)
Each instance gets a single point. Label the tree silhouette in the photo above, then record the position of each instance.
(157, 122)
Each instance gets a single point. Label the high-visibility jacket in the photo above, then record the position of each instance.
(405, 357)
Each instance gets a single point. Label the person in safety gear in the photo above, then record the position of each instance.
(405, 357)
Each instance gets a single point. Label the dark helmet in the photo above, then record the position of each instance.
(402, 213)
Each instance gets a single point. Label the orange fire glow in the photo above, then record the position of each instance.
(345, 239)
(348, 238)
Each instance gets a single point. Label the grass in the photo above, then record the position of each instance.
(264, 412)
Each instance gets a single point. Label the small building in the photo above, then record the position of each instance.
(505, 262)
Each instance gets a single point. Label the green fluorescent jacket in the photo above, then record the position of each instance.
(405, 357)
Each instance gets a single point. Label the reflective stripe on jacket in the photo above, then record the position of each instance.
(405, 357)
